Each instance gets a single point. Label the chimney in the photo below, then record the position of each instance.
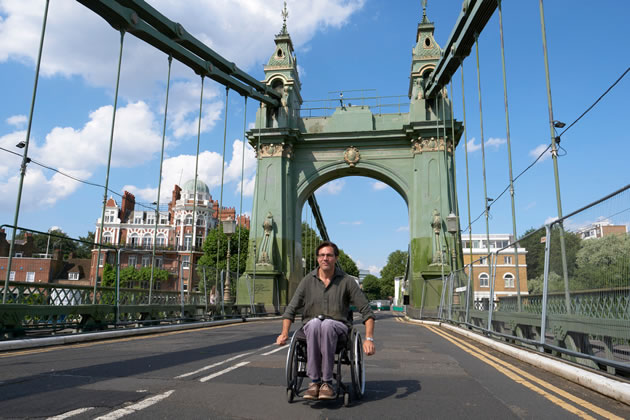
(128, 204)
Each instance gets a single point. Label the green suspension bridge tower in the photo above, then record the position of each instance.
(411, 152)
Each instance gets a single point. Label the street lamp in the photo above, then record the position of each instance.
(452, 228)
(229, 227)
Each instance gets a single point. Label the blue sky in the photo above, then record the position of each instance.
(340, 45)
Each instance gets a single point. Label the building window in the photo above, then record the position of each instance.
(150, 219)
(187, 242)
(509, 280)
(200, 222)
(137, 220)
(507, 260)
(160, 240)
(107, 238)
(132, 261)
(199, 242)
(30, 277)
(158, 262)
(100, 259)
(188, 220)
(483, 261)
(483, 280)
(146, 260)
(73, 276)
(18, 255)
(134, 240)
(185, 262)
(12, 276)
(146, 241)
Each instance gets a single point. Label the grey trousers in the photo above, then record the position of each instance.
(321, 342)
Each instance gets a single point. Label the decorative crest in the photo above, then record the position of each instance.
(424, 12)
(285, 15)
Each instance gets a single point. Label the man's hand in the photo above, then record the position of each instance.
(282, 339)
(368, 347)
(284, 335)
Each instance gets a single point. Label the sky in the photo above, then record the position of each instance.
(341, 45)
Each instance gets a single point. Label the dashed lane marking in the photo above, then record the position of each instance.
(147, 402)
(231, 368)
(275, 350)
(213, 365)
(71, 413)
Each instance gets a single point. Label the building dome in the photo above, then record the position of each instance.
(189, 186)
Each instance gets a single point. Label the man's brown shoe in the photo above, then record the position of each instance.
(312, 393)
(326, 392)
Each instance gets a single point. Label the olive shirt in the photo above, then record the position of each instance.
(333, 301)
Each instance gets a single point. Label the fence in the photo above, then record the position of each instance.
(576, 303)
(377, 104)
(55, 283)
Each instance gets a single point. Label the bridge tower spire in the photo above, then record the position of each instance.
(281, 74)
(425, 55)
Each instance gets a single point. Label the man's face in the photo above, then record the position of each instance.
(326, 257)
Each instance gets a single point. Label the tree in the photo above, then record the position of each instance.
(84, 249)
(603, 263)
(58, 240)
(372, 287)
(109, 276)
(310, 241)
(536, 251)
(209, 258)
(347, 264)
(395, 267)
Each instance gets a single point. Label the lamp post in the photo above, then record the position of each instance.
(452, 228)
(229, 226)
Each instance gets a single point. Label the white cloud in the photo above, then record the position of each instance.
(378, 186)
(353, 223)
(472, 146)
(495, 142)
(530, 205)
(184, 108)
(491, 142)
(538, 150)
(136, 138)
(332, 187)
(403, 229)
(142, 194)
(374, 270)
(17, 120)
(242, 32)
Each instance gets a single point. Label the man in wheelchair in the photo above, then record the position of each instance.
(325, 296)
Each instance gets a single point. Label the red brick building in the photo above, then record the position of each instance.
(181, 231)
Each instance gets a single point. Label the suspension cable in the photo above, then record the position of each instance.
(240, 210)
(25, 158)
(157, 203)
(227, 92)
(109, 162)
(194, 218)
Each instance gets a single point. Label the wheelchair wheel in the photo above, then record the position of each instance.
(357, 367)
(292, 368)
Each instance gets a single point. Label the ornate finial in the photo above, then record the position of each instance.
(285, 15)
(424, 12)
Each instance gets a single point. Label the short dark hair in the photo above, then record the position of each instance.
(325, 244)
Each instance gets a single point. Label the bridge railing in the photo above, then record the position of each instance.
(51, 286)
(395, 104)
(577, 301)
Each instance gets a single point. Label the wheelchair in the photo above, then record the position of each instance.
(349, 352)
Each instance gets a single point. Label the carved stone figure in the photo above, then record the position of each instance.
(265, 246)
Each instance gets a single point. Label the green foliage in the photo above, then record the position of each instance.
(310, 241)
(347, 264)
(395, 267)
(372, 287)
(131, 277)
(536, 251)
(84, 250)
(209, 258)
(58, 240)
(603, 263)
(556, 283)
(109, 276)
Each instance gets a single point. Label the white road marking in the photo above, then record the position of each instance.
(213, 365)
(71, 413)
(214, 375)
(275, 350)
(147, 402)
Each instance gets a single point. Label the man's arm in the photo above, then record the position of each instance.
(284, 335)
(368, 346)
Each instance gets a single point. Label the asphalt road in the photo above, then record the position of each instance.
(236, 372)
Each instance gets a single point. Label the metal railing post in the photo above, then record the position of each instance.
(543, 317)
(493, 272)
